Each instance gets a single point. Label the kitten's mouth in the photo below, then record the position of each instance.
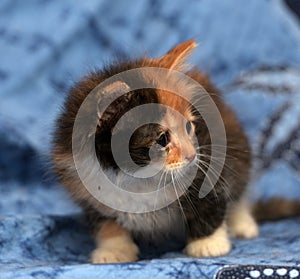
(180, 165)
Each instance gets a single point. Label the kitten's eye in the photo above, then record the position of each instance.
(188, 127)
(163, 140)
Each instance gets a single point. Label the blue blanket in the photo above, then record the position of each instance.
(250, 50)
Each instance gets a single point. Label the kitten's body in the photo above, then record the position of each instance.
(204, 222)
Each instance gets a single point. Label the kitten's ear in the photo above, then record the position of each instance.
(109, 94)
(175, 59)
(113, 88)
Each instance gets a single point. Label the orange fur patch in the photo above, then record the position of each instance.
(110, 229)
(174, 101)
(174, 156)
(177, 56)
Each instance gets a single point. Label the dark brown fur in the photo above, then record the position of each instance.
(275, 209)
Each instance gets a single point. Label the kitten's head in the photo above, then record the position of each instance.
(172, 138)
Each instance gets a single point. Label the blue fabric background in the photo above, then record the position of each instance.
(250, 50)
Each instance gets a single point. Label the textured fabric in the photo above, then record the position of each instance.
(259, 272)
(250, 50)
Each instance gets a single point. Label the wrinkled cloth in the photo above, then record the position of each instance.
(251, 51)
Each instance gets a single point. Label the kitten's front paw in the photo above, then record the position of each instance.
(106, 255)
(241, 223)
(214, 245)
(245, 228)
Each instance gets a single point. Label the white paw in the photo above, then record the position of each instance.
(214, 245)
(244, 228)
(240, 221)
(106, 255)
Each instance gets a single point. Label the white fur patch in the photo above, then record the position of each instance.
(217, 244)
(241, 223)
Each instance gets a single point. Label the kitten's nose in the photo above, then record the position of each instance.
(191, 157)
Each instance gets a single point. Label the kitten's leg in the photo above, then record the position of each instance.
(240, 221)
(216, 244)
(207, 230)
(114, 244)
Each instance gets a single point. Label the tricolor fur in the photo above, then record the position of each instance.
(201, 223)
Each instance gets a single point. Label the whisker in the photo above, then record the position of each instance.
(227, 146)
(187, 195)
(215, 160)
(180, 205)
(222, 181)
(160, 180)
(194, 209)
(209, 179)
(165, 181)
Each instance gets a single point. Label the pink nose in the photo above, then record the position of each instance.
(191, 157)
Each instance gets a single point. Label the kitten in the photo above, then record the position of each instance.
(203, 223)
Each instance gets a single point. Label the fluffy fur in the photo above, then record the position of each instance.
(201, 223)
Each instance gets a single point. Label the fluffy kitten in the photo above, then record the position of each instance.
(203, 223)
